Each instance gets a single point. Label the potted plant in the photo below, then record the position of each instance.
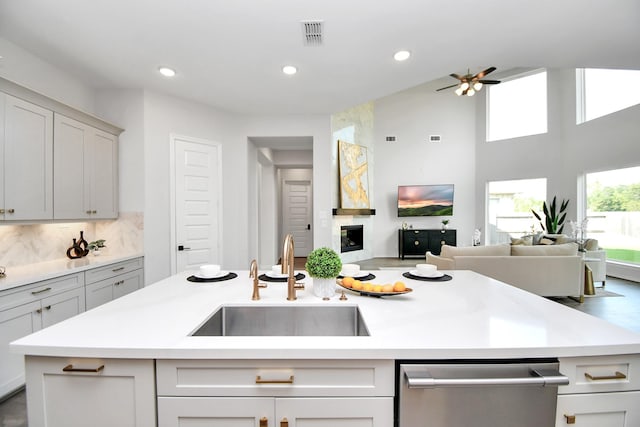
(323, 265)
(445, 223)
(95, 246)
(553, 218)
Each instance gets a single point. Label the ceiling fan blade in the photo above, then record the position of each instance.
(489, 82)
(483, 73)
(446, 87)
(456, 76)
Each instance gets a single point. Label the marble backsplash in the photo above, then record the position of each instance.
(33, 243)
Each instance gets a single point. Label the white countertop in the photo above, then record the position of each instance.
(31, 273)
(471, 316)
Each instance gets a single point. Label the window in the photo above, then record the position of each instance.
(509, 208)
(613, 212)
(517, 107)
(601, 92)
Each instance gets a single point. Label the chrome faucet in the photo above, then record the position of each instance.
(288, 268)
(253, 272)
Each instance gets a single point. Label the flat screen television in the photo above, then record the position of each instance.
(425, 200)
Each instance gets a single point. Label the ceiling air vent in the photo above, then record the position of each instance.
(312, 33)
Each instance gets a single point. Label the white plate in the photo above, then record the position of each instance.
(277, 276)
(220, 274)
(361, 273)
(429, 276)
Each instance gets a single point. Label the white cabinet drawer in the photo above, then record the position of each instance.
(601, 374)
(37, 291)
(599, 410)
(275, 378)
(101, 292)
(112, 270)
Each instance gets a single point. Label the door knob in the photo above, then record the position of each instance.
(308, 226)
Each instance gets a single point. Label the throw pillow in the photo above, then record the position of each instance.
(565, 249)
(524, 240)
(492, 250)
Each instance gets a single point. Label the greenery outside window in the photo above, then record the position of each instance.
(613, 212)
(509, 205)
(517, 107)
(601, 92)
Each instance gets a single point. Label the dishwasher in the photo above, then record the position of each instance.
(504, 393)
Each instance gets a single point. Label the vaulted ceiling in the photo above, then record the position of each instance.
(229, 53)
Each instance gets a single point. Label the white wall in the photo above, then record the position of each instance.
(25, 69)
(411, 116)
(164, 115)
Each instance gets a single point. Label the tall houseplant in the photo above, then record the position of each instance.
(553, 218)
(324, 265)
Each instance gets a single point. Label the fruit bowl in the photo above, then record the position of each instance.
(372, 293)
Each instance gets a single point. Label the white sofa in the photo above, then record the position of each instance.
(554, 270)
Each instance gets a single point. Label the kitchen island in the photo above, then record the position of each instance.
(147, 335)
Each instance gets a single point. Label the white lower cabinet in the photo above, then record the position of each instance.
(79, 392)
(282, 393)
(603, 391)
(27, 309)
(599, 410)
(279, 412)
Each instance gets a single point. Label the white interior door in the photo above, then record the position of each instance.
(197, 193)
(297, 215)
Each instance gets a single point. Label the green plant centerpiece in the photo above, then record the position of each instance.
(95, 246)
(553, 218)
(324, 265)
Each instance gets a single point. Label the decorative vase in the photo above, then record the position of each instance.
(324, 288)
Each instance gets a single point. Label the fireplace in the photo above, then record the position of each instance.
(351, 238)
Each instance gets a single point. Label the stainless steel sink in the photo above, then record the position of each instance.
(234, 320)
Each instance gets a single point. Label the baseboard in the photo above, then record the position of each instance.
(623, 271)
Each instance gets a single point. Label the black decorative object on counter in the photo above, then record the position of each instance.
(79, 248)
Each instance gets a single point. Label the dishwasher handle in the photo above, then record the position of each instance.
(538, 378)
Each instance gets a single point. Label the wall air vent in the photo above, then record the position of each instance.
(312, 33)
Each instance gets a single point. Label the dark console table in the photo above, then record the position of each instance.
(414, 242)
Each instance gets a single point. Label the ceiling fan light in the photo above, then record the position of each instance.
(477, 86)
(464, 86)
(458, 91)
(471, 92)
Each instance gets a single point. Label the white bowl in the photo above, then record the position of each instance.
(209, 270)
(426, 269)
(350, 270)
(276, 270)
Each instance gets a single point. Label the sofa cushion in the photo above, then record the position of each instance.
(565, 249)
(493, 250)
(524, 240)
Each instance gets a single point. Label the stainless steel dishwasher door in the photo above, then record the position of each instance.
(478, 395)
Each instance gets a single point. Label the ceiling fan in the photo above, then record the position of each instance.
(470, 84)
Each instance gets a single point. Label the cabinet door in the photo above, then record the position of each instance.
(28, 161)
(335, 412)
(104, 179)
(62, 306)
(15, 323)
(215, 411)
(71, 180)
(127, 283)
(69, 392)
(599, 410)
(109, 289)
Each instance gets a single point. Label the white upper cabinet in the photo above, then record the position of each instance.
(85, 171)
(26, 157)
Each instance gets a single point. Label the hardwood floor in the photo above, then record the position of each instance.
(622, 310)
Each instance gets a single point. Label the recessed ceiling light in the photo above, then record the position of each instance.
(167, 72)
(289, 69)
(402, 55)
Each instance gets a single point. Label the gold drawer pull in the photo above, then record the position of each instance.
(571, 419)
(284, 422)
(617, 376)
(264, 422)
(117, 269)
(259, 380)
(70, 368)
(40, 291)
